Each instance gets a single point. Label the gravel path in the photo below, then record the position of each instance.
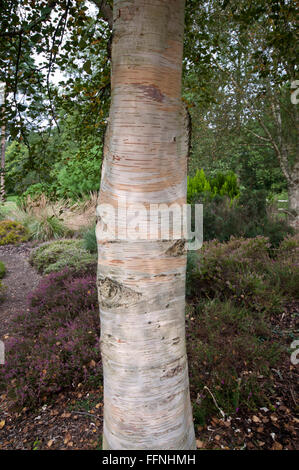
(19, 281)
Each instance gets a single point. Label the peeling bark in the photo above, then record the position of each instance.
(177, 249)
(142, 283)
(113, 294)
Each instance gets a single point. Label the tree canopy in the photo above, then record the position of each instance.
(238, 69)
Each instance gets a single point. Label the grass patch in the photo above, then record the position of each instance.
(46, 227)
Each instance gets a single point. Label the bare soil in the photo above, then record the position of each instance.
(19, 281)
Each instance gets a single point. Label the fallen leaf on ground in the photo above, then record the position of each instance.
(199, 444)
(277, 446)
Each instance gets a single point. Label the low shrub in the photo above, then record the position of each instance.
(284, 269)
(41, 217)
(64, 294)
(47, 227)
(285, 276)
(223, 184)
(242, 270)
(230, 353)
(57, 255)
(2, 270)
(12, 232)
(56, 342)
(90, 240)
(197, 184)
(245, 216)
(289, 247)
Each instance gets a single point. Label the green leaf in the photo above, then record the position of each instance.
(87, 67)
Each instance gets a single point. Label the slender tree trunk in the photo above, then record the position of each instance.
(291, 173)
(293, 191)
(142, 283)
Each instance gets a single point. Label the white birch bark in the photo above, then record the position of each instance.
(142, 283)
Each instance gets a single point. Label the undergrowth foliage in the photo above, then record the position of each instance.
(12, 232)
(46, 227)
(244, 216)
(223, 184)
(234, 290)
(41, 217)
(247, 271)
(57, 255)
(230, 353)
(90, 239)
(56, 342)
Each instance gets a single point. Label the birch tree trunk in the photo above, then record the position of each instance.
(141, 283)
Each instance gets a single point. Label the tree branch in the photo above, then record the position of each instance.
(106, 11)
(51, 5)
(63, 19)
(265, 139)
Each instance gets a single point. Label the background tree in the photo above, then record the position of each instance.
(251, 52)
